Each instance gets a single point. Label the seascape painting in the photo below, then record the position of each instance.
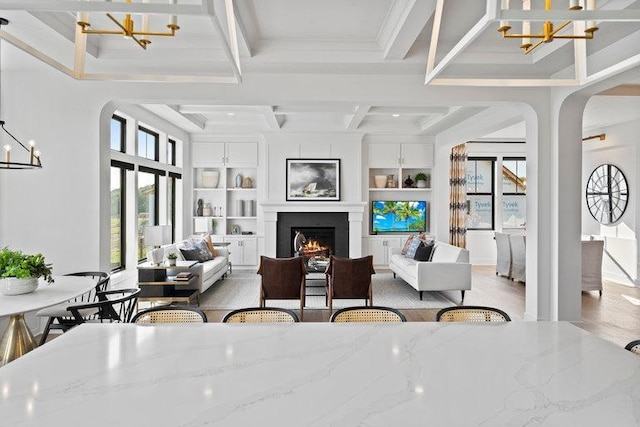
(313, 179)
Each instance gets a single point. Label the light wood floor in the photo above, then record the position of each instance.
(615, 316)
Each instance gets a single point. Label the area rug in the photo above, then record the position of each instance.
(241, 289)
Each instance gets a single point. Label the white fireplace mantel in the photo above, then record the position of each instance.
(355, 211)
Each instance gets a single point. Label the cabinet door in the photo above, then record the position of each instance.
(417, 155)
(235, 250)
(384, 155)
(242, 154)
(207, 154)
(378, 248)
(250, 251)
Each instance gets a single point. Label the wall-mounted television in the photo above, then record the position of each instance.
(398, 216)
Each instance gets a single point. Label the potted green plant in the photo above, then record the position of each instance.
(421, 180)
(172, 257)
(19, 272)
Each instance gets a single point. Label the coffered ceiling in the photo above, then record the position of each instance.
(438, 42)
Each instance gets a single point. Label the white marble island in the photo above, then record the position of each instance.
(422, 373)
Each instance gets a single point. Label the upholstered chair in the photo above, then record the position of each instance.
(282, 279)
(349, 278)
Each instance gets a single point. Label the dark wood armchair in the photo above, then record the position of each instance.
(349, 278)
(282, 278)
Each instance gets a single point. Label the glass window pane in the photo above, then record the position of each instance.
(514, 212)
(479, 176)
(170, 152)
(116, 218)
(146, 208)
(171, 212)
(514, 176)
(117, 142)
(147, 144)
(480, 212)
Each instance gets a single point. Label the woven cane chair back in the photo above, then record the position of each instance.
(367, 314)
(170, 314)
(472, 314)
(261, 315)
(634, 347)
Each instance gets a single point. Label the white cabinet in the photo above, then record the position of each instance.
(243, 250)
(402, 155)
(379, 248)
(231, 154)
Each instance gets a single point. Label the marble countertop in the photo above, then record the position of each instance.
(323, 374)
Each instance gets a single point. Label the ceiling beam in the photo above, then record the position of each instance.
(353, 121)
(408, 111)
(273, 120)
(414, 17)
(223, 109)
(65, 25)
(230, 45)
(101, 6)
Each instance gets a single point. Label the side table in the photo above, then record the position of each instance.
(159, 283)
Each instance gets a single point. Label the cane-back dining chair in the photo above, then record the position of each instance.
(261, 315)
(471, 313)
(367, 314)
(169, 314)
(58, 315)
(634, 347)
(282, 279)
(349, 278)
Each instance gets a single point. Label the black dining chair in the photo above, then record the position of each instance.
(59, 317)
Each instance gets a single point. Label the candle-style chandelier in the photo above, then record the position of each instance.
(34, 155)
(549, 29)
(127, 27)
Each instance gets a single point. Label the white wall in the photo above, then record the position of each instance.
(620, 262)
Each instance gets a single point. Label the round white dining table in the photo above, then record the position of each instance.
(17, 338)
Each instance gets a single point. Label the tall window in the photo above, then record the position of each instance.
(118, 133)
(514, 193)
(118, 217)
(172, 182)
(171, 152)
(480, 187)
(148, 212)
(148, 142)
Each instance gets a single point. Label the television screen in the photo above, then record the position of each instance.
(398, 216)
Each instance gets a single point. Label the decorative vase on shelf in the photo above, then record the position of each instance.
(238, 181)
(408, 182)
(380, 181)
(421, 183)
(18, 286)
(207, 211)
(199, 208)
(210, 179)
(247, 182)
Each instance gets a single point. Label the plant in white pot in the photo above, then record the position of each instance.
(19, 272)
(421, 180)
(172, 257)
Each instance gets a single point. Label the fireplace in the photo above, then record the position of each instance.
(345, 217)
(325, 233)
(315, 245)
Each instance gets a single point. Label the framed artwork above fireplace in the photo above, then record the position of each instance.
(313, 179)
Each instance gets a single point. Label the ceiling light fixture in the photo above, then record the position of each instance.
(395, 115)
(34, 155)
(549, 32)
(127, 29)
(601, 137)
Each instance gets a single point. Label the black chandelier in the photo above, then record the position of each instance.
(34, 155)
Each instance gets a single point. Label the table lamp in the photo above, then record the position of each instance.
(156, 236)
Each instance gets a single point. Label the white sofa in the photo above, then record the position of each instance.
(209, 271)
(448, 270)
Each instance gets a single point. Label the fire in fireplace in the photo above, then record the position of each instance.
(315, 244)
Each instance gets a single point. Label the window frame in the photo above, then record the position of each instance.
(493, 161)
(123, 133)
(157, 173)
(156, 143)
(124, 167)
(171, 149)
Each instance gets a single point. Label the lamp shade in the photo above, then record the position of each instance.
(157, 235)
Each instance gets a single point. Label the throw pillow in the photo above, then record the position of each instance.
(207, 240)
(415, 242)
(407, 244)
(199, 252)
(423, 253)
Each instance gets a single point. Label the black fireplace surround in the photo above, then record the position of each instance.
(289, 222)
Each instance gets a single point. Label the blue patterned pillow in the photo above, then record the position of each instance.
(197, 252)
(413, 247)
